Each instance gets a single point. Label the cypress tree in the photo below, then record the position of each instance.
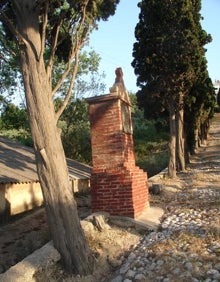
(167, 56)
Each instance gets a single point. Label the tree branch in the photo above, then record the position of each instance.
(53, 50)
(43, 36)
(11, 27)
(74, 50)
(69, 93)
(5, 51)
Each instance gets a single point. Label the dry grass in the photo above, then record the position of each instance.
(110, 247)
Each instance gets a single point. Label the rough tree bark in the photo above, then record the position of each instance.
(61, 208)
(196, 140)
(180, 141)
(172, 141)
(204, 131)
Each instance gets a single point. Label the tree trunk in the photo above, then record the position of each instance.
(61, 208)
(180, 142)
(204, 131)
(172, 141)
(196, 139)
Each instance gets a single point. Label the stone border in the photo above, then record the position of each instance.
(25, 269)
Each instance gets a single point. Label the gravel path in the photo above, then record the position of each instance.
(187, 246)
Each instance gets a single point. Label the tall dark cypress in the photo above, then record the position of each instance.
(168, 49)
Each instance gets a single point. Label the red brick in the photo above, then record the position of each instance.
(118, 185)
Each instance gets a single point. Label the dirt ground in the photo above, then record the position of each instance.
(111, 246)
(28, 232)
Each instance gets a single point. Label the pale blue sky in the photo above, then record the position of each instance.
(211, 23)
(114, 40)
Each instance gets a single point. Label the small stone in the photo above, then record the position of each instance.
(114, 262)
(131, 257)
(87, 226)
(188, 266)
(138, 263)
(194, 280)
(140, 278)
(124, 268)
(117, 279)
(130, 274)
(196, 269)
(217, 266)
(166, 280)
(152, 266)
(155, 189)
(165, 225)
(141, 269)
(186, 274)
(160, 262)
(216, 276)
(176, 271)
(212, 272)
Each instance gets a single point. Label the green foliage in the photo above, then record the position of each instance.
(218, 98)
(150, 140)
(168, 51)
(75, 135)
(150, 144)
(148, 130)
(169, 61)
(14, 124)
(76, 144)
(9, 62)
(88, 80)
(12, 117)
(199, 109)
(154, 163)
(102, 9)
(21, 135)
(67, 31)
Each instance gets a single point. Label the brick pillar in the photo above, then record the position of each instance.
(118, 186)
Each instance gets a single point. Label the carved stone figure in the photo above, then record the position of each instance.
(119, 86)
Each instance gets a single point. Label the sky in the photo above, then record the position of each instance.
(211, 23)
(114, 40)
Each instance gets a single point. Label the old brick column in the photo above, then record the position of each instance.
(118, 186)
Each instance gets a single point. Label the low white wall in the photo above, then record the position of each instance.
(21, 197)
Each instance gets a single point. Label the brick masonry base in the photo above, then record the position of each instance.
(119, 191)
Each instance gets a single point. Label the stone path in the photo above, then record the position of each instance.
(187, 246)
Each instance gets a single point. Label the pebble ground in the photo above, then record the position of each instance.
(187, 245)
